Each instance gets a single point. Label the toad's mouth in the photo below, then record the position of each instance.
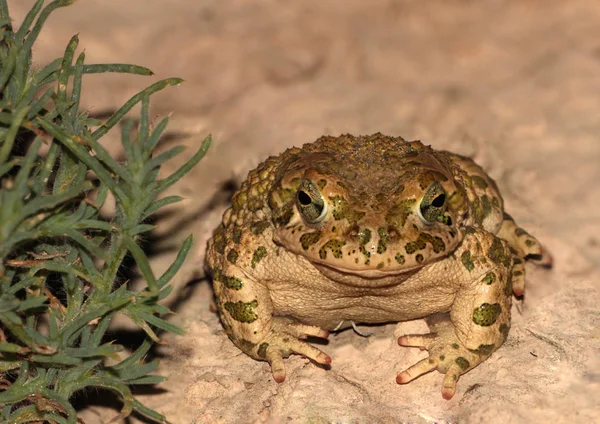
(365, 277)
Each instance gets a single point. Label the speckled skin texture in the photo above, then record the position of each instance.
(369, 229)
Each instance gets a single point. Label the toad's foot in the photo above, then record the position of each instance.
(446, 354)
(285, 339)
(524, 247)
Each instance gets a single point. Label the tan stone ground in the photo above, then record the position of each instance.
(516, 84)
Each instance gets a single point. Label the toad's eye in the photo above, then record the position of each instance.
(433, 204)
(310, 202)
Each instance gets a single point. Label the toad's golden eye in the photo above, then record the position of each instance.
(433, 204)
(310, 202)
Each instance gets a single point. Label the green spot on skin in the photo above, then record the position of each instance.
(233, 283)
(421, 242)
(342, 210)
(445, 219)
(496, 202)
(258, 255)
(467, 260)
(239, 200)
(309, 239)
(262, 350)
(520, 232)
(442, 358)
(397, 215)
(529, 243)
(477, 211)
(479, 182)
(455, 345)
(364, 236)
(419, 258)
(438, 244)
(219, 243)
(237, 235)
(284, 195)
(498, 254)
(456, 200)
(400, 258)
(245, 345)
(258, 227)
(410, 248)
(380, 265)
(335, 246)
(486, 314)
(232, 256)
(489, 278)
(322, 183)
(384, 237)
(242, 311)
(462, 363)
(484, 349)
(283, 215)
(486, 205)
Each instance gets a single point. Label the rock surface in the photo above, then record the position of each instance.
(512, 83)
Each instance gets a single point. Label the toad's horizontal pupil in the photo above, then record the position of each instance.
(304, 198)
(439, 201)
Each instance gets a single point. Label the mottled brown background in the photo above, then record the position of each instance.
(516, 84)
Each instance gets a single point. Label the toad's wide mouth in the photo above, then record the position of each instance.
(365, 271)
(363, 277)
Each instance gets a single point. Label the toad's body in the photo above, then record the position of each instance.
(368, 229)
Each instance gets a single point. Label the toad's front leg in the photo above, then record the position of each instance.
(479, 318)
(246, 311)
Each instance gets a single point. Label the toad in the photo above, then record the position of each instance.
(369, 229)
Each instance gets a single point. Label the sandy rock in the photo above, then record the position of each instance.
(514, 84)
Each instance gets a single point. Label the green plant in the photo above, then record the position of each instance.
(59, 259)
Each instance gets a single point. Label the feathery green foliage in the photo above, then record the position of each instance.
(59, 259)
